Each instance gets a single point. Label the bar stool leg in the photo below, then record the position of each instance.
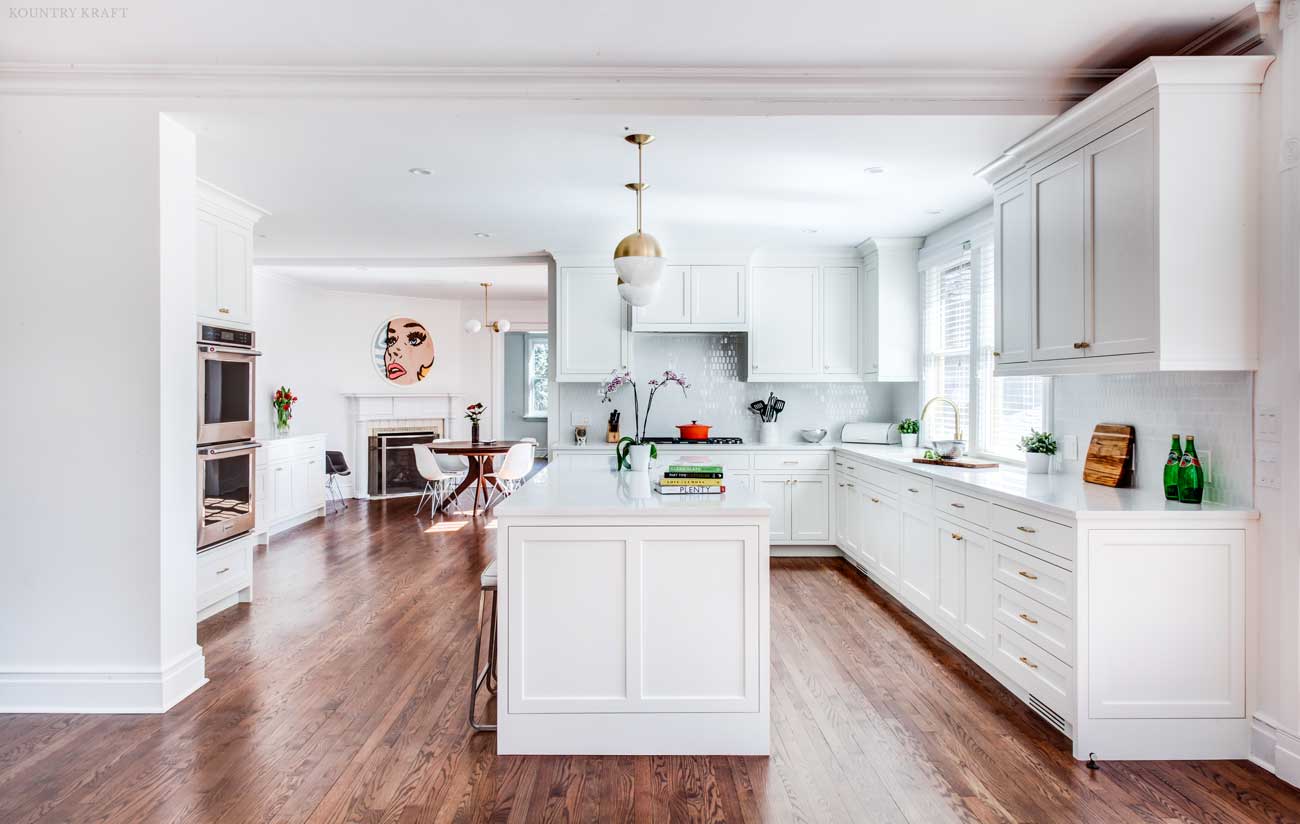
(477, 678)
(492, 649)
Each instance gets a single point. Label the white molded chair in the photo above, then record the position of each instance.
(514, 469)
(438, 485)
(457, 466)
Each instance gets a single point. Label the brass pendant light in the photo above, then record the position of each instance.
(638, 258)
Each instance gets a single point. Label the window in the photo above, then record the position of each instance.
(957, 346)
(537, 359)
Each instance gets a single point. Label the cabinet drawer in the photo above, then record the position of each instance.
(915, 490)
(1045, 627)
(222, 567)
(1035, 531)
(307, 449)
(883, 478)
(1046, 583)
(1035, 670)
(792, 460)
(727, 460)
(957, 505)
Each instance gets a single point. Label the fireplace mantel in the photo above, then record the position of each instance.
(369, 408)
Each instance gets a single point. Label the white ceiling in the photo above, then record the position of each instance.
(337, 185)
(1013, 34)
(519, 280)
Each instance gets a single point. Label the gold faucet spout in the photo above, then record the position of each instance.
(956, 415)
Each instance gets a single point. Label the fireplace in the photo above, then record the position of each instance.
(391, 461)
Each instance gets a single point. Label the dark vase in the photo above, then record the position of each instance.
(473, 432)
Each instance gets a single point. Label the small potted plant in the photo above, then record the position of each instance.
(910, 430)
(632, 450)
(475, 414)
(283, 402)
(1039, 447)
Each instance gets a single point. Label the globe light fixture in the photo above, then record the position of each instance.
(638, 258)
(474, 325)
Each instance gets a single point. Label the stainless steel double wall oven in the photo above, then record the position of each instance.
(227, 462)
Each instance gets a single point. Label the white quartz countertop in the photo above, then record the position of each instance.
(675, 448)
(573, 491)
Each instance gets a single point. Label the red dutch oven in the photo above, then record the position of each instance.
(693, 431)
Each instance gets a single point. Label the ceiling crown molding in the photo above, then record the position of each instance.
(1238, 34)
(863, 91)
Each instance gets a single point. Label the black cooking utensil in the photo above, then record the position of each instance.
(758, 408)
(778, 406)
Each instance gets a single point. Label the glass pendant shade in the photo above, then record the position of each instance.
(502, 326)
(472, 326)
(639, 260)
(637, 295)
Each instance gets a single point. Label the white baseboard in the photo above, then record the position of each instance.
(805, 551)
(103, 692)
(1275, 749)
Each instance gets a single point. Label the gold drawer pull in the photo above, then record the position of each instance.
(1083, 344)
(913, 490)
(1028, 529)
(223, 570)
(1024, 574)
(1028, 663)
(790, 462)
(1025, 617)
(223, 310)
(957, 506)
(956, 536)
(875, 500)
(997, 354)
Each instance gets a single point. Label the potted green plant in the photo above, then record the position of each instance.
(910, 430)
(1039, 447)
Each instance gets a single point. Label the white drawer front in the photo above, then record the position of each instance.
(1046, 583)
(222, 570)
(883, 478)
(307, 449)
(956, 505)
(915, 490)
(1039, 532)
(792, 460)
(1037, 671)
(727, 460)
(850, 466)
(1045, 627)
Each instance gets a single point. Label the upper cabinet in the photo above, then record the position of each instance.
(1127, 228)
(891, 309)
(696, 299)
(590, 328)
(224, 255)
(804, 323)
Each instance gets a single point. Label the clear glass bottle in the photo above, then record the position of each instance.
(1171, 469)
(1191, 478)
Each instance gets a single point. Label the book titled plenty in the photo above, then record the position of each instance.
(690, 490)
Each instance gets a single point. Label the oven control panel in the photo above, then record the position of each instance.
(225, 337)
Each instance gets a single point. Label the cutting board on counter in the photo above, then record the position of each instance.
(960, 463)
(1110, 455)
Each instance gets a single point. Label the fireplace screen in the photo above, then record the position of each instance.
(392, 462)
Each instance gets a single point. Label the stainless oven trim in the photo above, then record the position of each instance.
(206, 453)
(237, 430)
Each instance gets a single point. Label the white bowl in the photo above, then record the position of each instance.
(813, 435)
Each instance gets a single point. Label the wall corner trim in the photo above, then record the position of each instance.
(1275, 749)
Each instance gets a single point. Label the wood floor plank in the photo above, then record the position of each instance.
(340, 695)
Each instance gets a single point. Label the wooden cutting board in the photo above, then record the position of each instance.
(960, 463)
(1110, 455)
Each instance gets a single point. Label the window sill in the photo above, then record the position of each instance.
(535, 417)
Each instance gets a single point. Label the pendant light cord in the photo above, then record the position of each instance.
(640, 185)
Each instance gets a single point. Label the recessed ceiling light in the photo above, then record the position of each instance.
(874, 170)
(934, 211)
(419, 170)
(482, 234)
(261, 235)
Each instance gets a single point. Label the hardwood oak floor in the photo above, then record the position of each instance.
(340, 695)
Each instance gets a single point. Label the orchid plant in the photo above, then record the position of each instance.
(616, 381)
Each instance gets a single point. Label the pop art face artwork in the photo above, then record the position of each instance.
(403, 351)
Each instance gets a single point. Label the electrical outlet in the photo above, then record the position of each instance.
(1069, 447)
(1268, 465)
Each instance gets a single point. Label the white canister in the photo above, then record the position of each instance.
(769, 432)
(1038, 463)
(638, 455)
(909, 439)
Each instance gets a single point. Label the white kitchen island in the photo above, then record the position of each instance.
(631, 623)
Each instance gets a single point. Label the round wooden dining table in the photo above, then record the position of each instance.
(480, 457)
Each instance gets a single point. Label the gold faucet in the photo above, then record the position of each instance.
(956, 415)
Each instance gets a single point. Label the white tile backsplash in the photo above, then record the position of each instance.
(1213, 406)
(711, 363)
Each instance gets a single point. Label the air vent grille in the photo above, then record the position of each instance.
(1049, 715)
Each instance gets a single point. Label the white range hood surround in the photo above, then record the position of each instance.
(368, 410)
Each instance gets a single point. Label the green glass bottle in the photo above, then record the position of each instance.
(1191, 478)
(1171, 469)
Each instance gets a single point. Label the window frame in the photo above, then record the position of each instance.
(530, 340)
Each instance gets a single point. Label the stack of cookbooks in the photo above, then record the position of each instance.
(690, 478)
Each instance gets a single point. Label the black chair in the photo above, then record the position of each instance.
(336, 465)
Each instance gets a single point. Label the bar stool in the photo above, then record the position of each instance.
(488, 677)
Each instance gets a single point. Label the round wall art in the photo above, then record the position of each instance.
(403, 351)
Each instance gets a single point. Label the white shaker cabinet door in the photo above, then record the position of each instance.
(845, 536)
(1060, 291)
(1121, 172)
(775, 491)
(810, 508)
(717, 296)
(1012, 275)
(235, 273)
(783, 338)
(951, 573)
(977, 592)
(839, 324)
(919, 572)
(589, 331)
(281, 492)
(882, 524)
(672, 303)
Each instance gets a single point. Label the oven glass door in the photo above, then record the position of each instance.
(226, 495)
(226, 381)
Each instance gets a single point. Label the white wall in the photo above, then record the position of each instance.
(317, 342)
(99, 384)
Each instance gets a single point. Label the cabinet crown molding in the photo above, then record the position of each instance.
(873, 243)
(233, 206)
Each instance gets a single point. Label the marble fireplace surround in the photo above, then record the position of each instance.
(371, 412)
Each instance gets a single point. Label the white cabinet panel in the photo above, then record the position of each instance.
(207, 233)
(951, 573)
(1059, 262)
(1176, 650)
(891, 309)
(871, 309)
(1122, 221)
(919, 572)
(977, 592)
(882, 525)
(672, 304)
(235, 273)
(717, 296)
(839, 320)
(844, 536)
(281, 490)
(775, 492)
(810, 508)
(1012, 274)
(590, 334)
(224, 255)
(783, 338)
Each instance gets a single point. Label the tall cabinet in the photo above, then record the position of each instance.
(224, 256)
(804, 322)
(1127, 228)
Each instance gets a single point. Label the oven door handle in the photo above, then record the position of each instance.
(222, 450)
(233, 350)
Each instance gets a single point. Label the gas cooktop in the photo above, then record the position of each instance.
(716, 441)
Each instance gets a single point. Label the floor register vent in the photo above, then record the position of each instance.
(1049, 715)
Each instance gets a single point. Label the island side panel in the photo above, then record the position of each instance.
(634, 638)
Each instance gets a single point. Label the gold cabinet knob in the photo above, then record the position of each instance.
(956, 536)
(875, 500)
(1083, 344)
(223, 310)
(997, 354)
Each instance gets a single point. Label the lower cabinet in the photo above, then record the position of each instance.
(919, 564)
(977, 591)
(290, 483)
(223, 576)
(881, 536)
(801, 507)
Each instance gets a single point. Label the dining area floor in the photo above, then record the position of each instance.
(341, 695)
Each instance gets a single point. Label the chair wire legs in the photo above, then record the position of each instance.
(488, 676)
